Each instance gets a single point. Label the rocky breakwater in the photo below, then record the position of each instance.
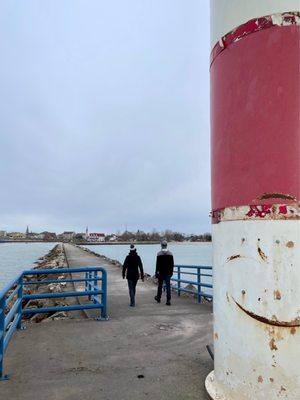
(55, 260)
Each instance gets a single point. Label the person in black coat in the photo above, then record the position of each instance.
(164, 271)
(131, 268)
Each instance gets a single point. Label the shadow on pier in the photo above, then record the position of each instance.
(147, 352)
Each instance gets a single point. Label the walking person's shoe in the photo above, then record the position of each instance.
(168, 303)
(157, 299)
(132, 304)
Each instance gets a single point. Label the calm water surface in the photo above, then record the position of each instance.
(15, 257)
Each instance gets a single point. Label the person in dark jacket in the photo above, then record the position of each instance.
(131, 268)
(164, 271)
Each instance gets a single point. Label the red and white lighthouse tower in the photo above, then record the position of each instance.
(255, 119)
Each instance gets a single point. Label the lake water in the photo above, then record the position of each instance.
(16, 257)
(184, 254)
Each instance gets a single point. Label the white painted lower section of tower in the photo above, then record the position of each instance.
(256, 307)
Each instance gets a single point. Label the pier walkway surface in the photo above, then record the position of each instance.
(149, 352)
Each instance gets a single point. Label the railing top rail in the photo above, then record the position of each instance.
(13, 282)
(63, 270)
(193, 266)
(9, 286)
(193, 273)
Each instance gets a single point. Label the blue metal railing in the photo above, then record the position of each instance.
(193, 270)
(12, 297)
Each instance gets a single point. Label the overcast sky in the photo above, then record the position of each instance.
(104, 115)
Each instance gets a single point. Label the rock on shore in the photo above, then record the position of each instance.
(55, 259)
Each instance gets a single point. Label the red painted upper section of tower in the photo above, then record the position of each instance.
(255, 96)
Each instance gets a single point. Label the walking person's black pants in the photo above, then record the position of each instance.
(131, 287)
(161, 281)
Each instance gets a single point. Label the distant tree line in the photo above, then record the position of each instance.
(154, 236)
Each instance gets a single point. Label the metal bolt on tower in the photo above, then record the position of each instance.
(255, 120)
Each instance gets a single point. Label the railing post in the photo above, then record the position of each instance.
(104, 295)
(89, 283)
(2, 334)
(86, 284)
(198, 284)
(95, 285)
(178, 280)
(20, 297)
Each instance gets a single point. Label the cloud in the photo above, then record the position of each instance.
(104, 115)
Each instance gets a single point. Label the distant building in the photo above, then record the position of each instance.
(68, 235)
(17, 235)
(3, 234)
(34, 236)
(49, 236)
(95, 237)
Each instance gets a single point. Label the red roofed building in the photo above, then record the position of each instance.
(95, 237)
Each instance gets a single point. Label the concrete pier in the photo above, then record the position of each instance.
(148, 352)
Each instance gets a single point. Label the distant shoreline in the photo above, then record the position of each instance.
(99, 243)
(135, 243)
